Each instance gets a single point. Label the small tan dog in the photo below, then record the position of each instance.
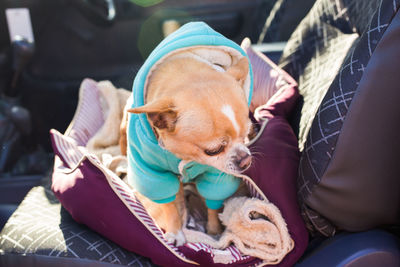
(200, 115)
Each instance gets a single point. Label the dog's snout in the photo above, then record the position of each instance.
(239, 159)
(243, 160)
(242, 154)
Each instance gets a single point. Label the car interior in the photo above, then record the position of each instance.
(343, 54)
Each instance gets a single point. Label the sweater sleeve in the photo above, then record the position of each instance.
(215, 187)
(158, 186)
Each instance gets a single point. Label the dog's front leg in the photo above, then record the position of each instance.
(173, 224)
(214, 226)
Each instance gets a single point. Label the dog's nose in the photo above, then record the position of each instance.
(245, 162)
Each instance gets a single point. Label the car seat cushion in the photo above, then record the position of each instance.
(44, 232)
(348, 172)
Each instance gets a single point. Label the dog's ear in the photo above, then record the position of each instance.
(239, 70)
(160, 112)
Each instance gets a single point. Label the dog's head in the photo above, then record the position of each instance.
(201, 114)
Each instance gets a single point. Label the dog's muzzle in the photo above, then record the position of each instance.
(241, 158)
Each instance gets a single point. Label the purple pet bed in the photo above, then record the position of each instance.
(98, 198)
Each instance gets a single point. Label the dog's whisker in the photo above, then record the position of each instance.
(258, 153)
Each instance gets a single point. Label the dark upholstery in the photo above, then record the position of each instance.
(41, 227)
(348, 175)
(282, 20)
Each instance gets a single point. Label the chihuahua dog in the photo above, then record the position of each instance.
(200, 115)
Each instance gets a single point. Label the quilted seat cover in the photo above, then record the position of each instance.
(345, 58)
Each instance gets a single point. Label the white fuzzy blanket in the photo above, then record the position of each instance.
(256, 227)
(105, 143)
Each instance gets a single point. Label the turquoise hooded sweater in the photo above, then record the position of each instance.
(152, 170)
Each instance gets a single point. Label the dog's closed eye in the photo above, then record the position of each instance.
(214, 152)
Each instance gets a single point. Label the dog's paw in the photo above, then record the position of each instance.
(177, 239)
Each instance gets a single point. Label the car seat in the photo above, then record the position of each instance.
(345, 57)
